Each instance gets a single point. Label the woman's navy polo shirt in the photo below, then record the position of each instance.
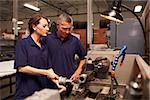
(29, 53)
(62, 53)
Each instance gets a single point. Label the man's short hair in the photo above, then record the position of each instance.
(64, 17)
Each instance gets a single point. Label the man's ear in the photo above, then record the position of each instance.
(57, 26)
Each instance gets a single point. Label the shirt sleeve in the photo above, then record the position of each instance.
(81, 52)
(20, 54)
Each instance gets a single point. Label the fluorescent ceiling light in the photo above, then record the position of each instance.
(20, 22)
(31, 7)
(17, 28)
(138, 8)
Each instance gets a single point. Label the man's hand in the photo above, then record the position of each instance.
(75, 76)
(77, 73)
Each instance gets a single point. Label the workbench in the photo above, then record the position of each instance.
(7, 79)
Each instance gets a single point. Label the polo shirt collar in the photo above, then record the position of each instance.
(31, 41)
(56, 35)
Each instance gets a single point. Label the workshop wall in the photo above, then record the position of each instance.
(129, 33)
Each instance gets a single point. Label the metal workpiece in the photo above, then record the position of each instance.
(74, 89)
(86, 77)
(82, 78)
(64, 80)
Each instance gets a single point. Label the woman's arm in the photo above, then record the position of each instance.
(34, 71)
(49, 73)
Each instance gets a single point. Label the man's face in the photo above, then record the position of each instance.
(64, 29)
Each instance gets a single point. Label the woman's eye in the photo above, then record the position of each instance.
(45, 26)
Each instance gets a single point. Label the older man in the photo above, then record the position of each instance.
(62, 48)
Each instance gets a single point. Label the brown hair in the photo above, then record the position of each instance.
(34, 20)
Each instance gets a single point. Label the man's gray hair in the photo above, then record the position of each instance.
(64, 17)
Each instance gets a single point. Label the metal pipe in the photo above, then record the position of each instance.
(15, 16)
(89, 22)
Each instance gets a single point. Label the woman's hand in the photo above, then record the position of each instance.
(51, 74)
(54, 77)
(60, 87)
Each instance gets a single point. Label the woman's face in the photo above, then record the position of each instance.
(42, 28)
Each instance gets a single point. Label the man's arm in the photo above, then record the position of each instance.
(78, 71)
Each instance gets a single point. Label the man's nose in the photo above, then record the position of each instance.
(67, 31)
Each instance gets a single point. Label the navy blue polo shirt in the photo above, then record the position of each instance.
(28, 53)
(62, 53)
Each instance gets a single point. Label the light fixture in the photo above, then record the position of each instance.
(115, 13)
(116, 7)
(18, 28)
(137, 8)
(31, 7)
(20, 22)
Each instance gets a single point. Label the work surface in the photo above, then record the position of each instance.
(97, 89)
(132, 66)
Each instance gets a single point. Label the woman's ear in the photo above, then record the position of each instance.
(34, 27)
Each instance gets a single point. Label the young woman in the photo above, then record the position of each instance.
(33, 66)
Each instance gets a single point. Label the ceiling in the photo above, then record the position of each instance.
(53, 8)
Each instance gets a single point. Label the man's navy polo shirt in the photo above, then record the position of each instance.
(28, 53)
(63, 53)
